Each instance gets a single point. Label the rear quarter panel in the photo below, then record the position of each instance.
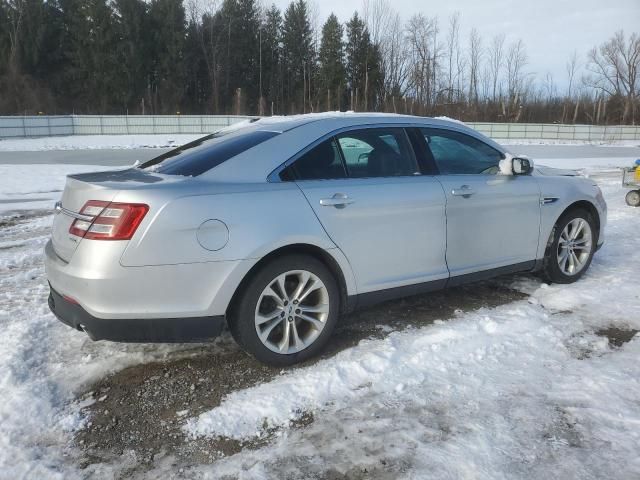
(259, 219)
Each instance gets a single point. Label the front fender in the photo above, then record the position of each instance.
(561, 193)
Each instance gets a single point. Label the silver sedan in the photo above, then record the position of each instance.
(278, 227)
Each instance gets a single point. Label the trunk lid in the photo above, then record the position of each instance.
(79, 189)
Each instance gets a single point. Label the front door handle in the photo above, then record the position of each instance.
(464, 191)
(339, 200)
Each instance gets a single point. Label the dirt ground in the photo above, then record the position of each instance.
(143, 408)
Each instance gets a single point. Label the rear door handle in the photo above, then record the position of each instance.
(339, 200)
(463, 191)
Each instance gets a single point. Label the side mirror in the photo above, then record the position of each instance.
(521, 166)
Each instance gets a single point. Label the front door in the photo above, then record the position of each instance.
(493, 220)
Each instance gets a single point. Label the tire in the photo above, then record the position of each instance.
(633, 198)
(558, 260)
(294, 326)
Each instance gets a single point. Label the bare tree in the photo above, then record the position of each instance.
(475, 57)
(516, 80)
(516, 61)
(421, 36)
(395, 58)
(485, 82)
(614, 68)
(383, 25)
(16, 13)
(496, 59)
(571, 66)
(453, 53)
(549, 87)
(377, 15)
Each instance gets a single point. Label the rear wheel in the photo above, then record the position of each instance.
(633, 198)
(287, 311)
(571, 247)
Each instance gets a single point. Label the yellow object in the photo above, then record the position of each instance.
(637, 174)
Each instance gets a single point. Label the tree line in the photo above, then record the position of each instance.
(239, 57)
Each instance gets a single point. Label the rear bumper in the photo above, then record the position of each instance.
(107, 290)
(169, 330)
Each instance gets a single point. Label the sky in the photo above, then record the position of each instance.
(551, 29)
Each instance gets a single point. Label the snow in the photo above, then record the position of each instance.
(494, 394)
(546, 141)
(92, 142)
(524, 390)
(505, 165)
(42, 362)
(25, 187)
(449, 119)
(587, 165)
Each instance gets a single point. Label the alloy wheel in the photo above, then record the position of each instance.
(292, 311)
(574, 246)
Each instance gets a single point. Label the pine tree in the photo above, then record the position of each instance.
(4, 37)
(331, 58)
(271, 49)
(167, 26)
(31, 59)
(198, 91)
(239, 21)
(90, 44)
(363, 66)
(132, 27)
(298, 56)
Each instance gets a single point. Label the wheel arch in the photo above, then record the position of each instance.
(577, 205)
(314, 251)
(584, 205)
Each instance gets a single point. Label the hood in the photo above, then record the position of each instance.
(555, 172)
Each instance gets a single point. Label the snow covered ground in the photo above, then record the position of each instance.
(94, 142)
(29, 187)
(599, 143)
(531, 389)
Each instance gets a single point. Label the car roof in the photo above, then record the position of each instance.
(288, 122)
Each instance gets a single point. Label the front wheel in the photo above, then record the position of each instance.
(571, 247)
(287, 311)
(633, 198)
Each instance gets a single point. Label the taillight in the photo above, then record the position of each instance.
(111, 221)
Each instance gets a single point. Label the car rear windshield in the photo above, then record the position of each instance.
(205, 153)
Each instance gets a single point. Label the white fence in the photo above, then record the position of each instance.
(554, 131)
(38, 126)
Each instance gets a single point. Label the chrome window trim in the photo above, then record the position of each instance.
(274, 176)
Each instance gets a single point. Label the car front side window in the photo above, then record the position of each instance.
(456, 153)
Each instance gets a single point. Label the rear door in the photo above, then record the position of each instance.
(365, 187)
(493, 220)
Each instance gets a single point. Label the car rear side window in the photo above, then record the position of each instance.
(377, 152)
(205, 153)
(322, 162)
(456, 153)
